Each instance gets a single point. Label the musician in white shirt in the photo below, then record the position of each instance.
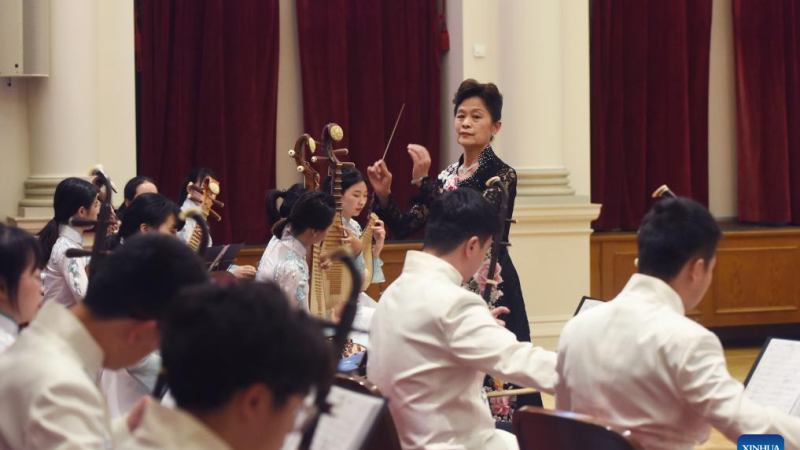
(432, 341)
(21, 261)
(65, 279)
(48, 387)
(239, 361)
(639, 363)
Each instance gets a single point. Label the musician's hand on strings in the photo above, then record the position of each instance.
(500, 310)
(244, 272)
(352, 240)
(325, 262)
(421, 159)
(379, 233)
(381, 180)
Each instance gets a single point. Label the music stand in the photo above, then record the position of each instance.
(222, 256)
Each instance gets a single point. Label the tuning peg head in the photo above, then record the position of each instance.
(292, 153)
(337, 134)
(301, 169)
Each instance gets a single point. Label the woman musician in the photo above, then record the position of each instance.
(190, 198)
(302, 221)
(354, 198)
(477, 110)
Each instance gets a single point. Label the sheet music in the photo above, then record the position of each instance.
(352, 417)
(590, 303)
(776, 379)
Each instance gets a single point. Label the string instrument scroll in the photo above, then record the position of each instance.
(209, 186)
(310, 176)
(664, 191)
(106, 219)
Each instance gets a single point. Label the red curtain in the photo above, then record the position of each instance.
(208, 96)
(649, 104)
(360, 61)
(767, 54)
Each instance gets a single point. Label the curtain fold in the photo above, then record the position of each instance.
(649, 104)
(766, 37)
(360, 61)
(209, 80)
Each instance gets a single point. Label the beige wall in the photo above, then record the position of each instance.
(722, 115)
(290, 97)
(13, 144)
(116, 87)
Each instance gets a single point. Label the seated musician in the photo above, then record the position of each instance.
(21, 290)
(640, 364)
(148, 213)
(135, 187)
(432, 341)
(123, 388)
(236, 382)
(302, 221)
(65, 279)
(355, 196)
(189, 198)
(48, 387)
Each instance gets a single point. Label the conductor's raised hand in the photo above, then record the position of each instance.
(421, 159)
(381, 180)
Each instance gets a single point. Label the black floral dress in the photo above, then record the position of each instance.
(508, 293)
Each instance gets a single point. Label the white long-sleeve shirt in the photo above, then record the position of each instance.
(8, 332)
(65, 279)
(431, 343)
(640, 364)
(49, 397)
(165, 428)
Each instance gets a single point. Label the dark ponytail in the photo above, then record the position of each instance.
(71, 194)
(130, 192)
(196, 176)
(314, 210)
(289, 197)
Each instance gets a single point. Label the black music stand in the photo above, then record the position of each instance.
(222, 256)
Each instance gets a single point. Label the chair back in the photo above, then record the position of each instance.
(538, 428)
(384, 437)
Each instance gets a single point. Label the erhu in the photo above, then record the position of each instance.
(498, 244)
(105, 220)
(209, 191)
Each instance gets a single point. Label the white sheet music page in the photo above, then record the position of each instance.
(352, 417)
(776, 380)
(590, 303)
